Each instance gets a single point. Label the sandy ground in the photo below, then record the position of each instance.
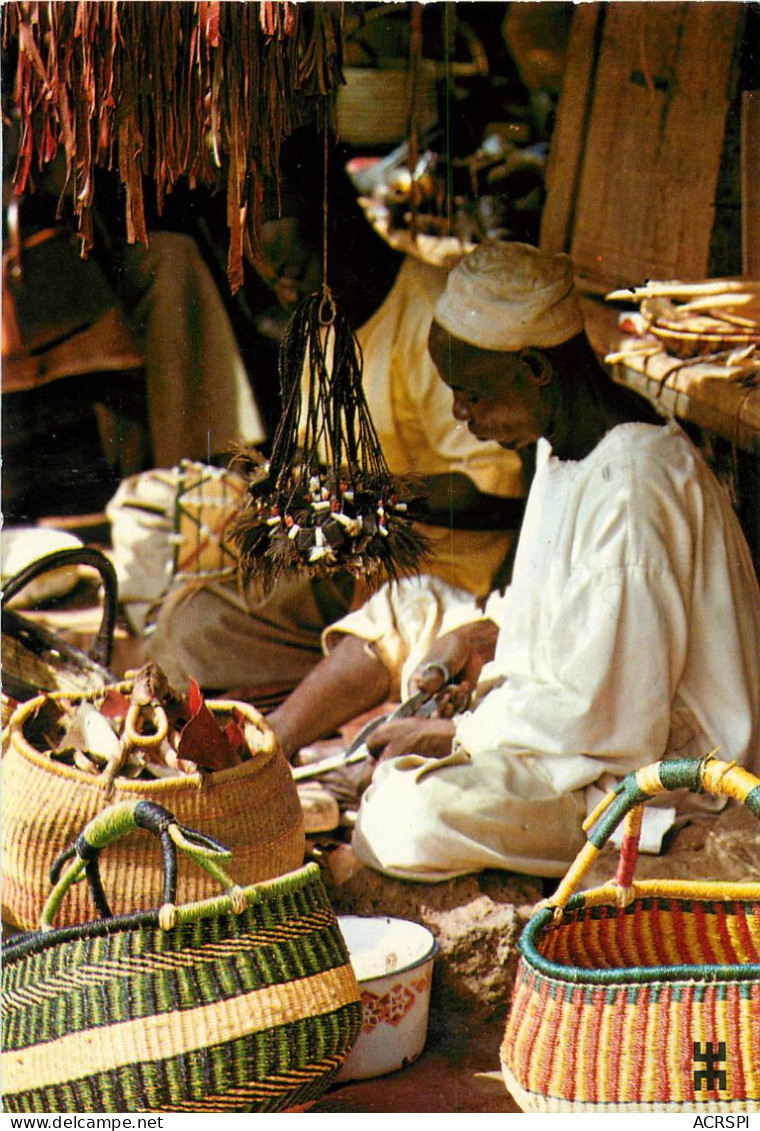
(458, 1072)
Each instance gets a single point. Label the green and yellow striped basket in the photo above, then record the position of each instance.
(640, 996)
(243, 1002)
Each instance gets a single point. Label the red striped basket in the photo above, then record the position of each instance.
(640, 996)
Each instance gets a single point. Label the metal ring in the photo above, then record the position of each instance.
(326, 310)
(133, 737)
(436, 666)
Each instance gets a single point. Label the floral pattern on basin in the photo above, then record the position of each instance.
(392, 1007)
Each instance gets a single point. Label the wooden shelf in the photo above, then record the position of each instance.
(694, 394)
(698, 393)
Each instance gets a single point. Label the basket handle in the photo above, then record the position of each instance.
(114, 823)
(625, 803)
(478, 63)
(85, 555)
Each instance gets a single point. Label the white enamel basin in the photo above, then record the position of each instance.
(393, 962)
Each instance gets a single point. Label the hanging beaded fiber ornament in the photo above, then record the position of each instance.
(328, 503)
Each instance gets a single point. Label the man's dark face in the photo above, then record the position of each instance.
(496, 394)
(291, 264)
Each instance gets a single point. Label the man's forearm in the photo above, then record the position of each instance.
(350, 680)
(453, 500)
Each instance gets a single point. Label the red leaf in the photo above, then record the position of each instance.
(195, 697)
(114, 705)
(201, 739)
(235, 736)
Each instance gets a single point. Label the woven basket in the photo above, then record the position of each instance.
(640, 996)
(208, 499)
(373, 105)
(36, 660)
(685, 343)
(253, 808)
(243, 1002)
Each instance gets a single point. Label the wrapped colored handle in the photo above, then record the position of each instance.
(112, 824)
(624, 803)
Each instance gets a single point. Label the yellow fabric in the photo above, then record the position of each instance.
(220, 636)
(402, 621)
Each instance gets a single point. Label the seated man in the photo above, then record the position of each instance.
(630, 631)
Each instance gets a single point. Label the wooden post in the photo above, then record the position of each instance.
(750, 180)
(637, 145)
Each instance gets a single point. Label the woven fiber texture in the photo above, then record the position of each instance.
(223, 1012)
(652, 933)
(253, 808)
(640, 996)
(35, 659)
(577, 1044)
(207, 501)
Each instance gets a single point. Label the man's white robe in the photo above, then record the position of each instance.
(630, 633)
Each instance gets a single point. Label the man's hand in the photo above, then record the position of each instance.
(456, 657)
(431, 738)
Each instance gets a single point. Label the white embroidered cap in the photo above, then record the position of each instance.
(508, 296)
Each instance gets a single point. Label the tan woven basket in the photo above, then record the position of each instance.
(685, 343)
(640, 995)
(253, 808)
(373, 105)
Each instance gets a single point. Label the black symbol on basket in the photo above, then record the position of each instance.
(711, 1075)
